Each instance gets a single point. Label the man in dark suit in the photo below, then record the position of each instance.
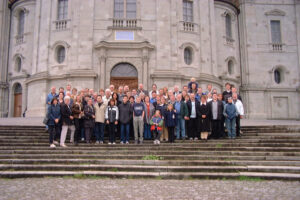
(216, 108)
(193, 109)
(67, 121)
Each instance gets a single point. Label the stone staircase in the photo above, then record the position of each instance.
(266, 152)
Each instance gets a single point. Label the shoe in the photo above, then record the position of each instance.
(109, 143)
(63, 145)
(121, 142)
(97, 142)
(127, 142)
(191, 138)
(154, 142)
(55, 142)
(158, 142)
(195, 138)
(82, 139)
(141, 142)
(52, 146)
(114, 143)
(101, 142)
(76, 143)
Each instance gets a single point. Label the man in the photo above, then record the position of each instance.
(153, 97)
(230, 113)
(154, 90)
(112, 88)
(185, 88)
(176, 91)
(193, 109)
(120, 93)
(216, 108)
(126, 89)
(68, 93)
(100, 109)
(234, 90)
(134, 93)
(142, 90)
(172, 99)
(240, 110)
(95, 96)
(61, 89)
(67, 121)
(107, 96)
(199, 94)
(182, 115)
(227, 93)
(208, 89)
(138, 120)
(125, 112)
(51, 95)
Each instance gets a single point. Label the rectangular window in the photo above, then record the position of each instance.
(62, 9)
(119, 9)
(21, 23)
(187, 11)
(131, 9)
(276, 32)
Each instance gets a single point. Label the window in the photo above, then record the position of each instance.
(131, 9)
(277, 76)
(62, 9)
(61, 54)
(188, 56)
(187, 11)
(21, 23)
(230, 67)
(125, 6)
(275, 31)
(18, 64)
(228, 26)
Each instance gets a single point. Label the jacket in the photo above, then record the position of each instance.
(66, 112)
(156, 120)
(125, 113)
(152, 110)
(100, 112)
(76, 110)
(220, 110)
(89, 111)
(53, 113)
(112, 114)
(230, 111)
(183, 110)
(204, 123)
(197, 107)
(239, 106)
(170, 118)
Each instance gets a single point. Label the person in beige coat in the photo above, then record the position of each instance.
(100, 108)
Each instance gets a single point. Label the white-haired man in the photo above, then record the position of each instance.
(106, 98)
(67, 121)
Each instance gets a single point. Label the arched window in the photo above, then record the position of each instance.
(277, 76)
(228, 26)
(230, 67)
(21, 22)
(60, 54)
(18, 89)
(18, 64)
(188, 56)
(62, 12)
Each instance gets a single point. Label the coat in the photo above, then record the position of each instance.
(76, 110)
(146, 117)
(66, 112)
(170, 118)
(189, 106)
(204, 123)
(100, 112)
(156, 120)
(125, 113)
(183, 110)
(89, 122)
(112, 114)
(220, 110)
(53, 113)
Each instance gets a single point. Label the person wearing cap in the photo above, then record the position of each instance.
(230, 113)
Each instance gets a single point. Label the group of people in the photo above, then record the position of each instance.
(160, 114)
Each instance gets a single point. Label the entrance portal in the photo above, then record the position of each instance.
(124, 74)
(18, 100)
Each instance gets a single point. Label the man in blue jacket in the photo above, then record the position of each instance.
(230, 113)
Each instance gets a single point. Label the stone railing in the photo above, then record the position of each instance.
(61, 24)
(188, 26)
(125, 23)
(276, 46)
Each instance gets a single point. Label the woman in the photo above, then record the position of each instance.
(203, 115)
(53, 122)
(115, 97)
(149, 111)
(162, 107)
(170, 122)
(111, 117)
(61, 96)
(156, 123)
(89, 120)
(77, 111)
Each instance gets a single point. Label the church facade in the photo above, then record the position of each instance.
(252, 44)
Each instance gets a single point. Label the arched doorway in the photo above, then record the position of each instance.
(17, 100)
(124, 74)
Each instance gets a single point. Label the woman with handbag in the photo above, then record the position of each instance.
(53, 121)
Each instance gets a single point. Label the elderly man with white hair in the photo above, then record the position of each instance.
(106, 98)
(67, 121)
(142, 90)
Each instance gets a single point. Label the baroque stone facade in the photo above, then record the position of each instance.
(253, 44)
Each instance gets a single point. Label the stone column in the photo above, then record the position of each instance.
(102, 68)
(145, 59)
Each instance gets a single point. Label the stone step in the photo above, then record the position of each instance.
(160, 175)
(149, 168)
(141, 156)
(152, 162)
(144, 152)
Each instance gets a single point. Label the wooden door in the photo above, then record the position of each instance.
(132, 82)
(18, 105)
